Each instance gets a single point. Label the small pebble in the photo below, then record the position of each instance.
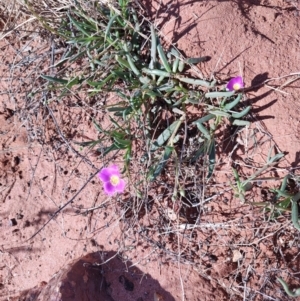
(13, 222)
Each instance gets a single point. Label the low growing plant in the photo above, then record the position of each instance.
(124, 56)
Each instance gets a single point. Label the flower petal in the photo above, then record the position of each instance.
(114, 170)
(235, 83)
(104, 175)
(109, 188)
(121, 186)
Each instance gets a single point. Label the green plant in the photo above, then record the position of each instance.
(241, 187)
(282, 199)
(287, 289)
(150, 82)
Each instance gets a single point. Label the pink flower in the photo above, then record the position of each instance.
(111, 178)
(235, 84)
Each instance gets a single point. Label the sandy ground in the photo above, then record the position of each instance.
(40, 172)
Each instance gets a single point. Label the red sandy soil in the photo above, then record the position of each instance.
(40, 172)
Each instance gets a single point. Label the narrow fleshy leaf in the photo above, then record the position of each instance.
(291, 293)
(193, 81)
(282, 193)
(295, 211)
(275, 158)
(204, 119)
(54, 79)
(72, 82)
(203, 130)
(232, 104)
(122, 143)
(175, 65)
(144, 80)
(283, 205)
(130, 60)
(164, 136)
(219, 94)
(156, 72)
(163, 58)
(153, 47)
(181, 65)
(211, 158)
(166, 87)
(241, 114)
(107, 149)
(122, 62)
(78, 25)
(284, 183)
(239, 122)
(197, 60)
(98, 127)
(109, 25)
(220, 113)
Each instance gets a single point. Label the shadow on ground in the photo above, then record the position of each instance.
(99, 276)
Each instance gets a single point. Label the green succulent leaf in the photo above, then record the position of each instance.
(55, 79)
(192, 81)
(239, 122)
(203, 130)
(109, 25)
(79, 25)
(232, 104)
(242, 113)
(156, 72)
(211, 158)
(204, 119)
(277, 157)
(176, 61)
(164, 136)
(295, 211)
(220, 113)
(287, 289)
(153, 47)
(219, 94)
(163, 58)
(181, 65)
(197, 60)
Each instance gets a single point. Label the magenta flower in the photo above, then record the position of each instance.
(111, 178)
(235, 84)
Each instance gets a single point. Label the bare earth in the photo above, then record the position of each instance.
(40, 172)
